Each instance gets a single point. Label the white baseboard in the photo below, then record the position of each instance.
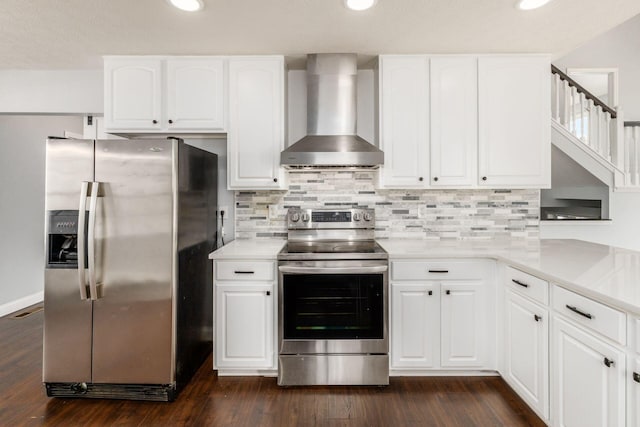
(21, 303)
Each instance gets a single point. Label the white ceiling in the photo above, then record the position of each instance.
(73, 34)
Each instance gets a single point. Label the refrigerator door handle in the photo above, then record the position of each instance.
(93, 286)
(82, 279)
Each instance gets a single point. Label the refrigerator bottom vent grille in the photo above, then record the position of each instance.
(150, 392)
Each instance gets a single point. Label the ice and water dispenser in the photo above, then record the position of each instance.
(62, 239)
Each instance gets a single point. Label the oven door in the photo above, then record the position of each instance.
(333, 307)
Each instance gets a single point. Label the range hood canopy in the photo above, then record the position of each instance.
(331, 139)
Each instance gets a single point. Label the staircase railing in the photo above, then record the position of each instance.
(632, 153)
(584, 115)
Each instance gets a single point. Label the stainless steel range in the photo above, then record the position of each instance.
(333, 300)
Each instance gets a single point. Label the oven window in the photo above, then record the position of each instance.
(333, 306)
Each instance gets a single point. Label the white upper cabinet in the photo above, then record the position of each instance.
(454, 121)
(164, 94)
(404, 121)
(195, 94)
(514, 121)
(256, 122)
(133, 94)
(465, 121)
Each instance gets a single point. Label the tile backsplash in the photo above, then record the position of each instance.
(430, 214)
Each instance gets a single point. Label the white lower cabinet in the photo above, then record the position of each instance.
(441, 323)
(588, 379)
(415, 326)
(463, 324)
(634, 391)
(244, 325)
(526, 351)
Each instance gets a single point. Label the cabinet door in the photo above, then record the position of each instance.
(404, 121)
(464, 332)
(634, 393)
(415, 325)
(454, 121)
(585, 391)
(514, 121)
(132, 94)
(244, 326)
(526, 351)
(195, 94)
(256, 122)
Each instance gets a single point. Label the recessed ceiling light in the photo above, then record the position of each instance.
(359, 4)
(531, 4)
(188, 5)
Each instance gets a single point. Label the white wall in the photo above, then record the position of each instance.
(617, 48)
(51, 92)
(622, 231)
(22, 160)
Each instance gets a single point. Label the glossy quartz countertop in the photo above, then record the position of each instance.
(605, 273)
(249, 249)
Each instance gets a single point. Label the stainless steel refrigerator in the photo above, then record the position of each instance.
(128, 286)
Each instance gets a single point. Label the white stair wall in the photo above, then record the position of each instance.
(599, 167)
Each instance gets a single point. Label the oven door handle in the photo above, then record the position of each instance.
(331, 270)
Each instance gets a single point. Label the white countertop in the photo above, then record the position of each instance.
(605, 273)
(249, 249)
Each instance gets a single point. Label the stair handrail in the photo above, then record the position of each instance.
(587, 94)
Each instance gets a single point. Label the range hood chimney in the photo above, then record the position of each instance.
(331, 139)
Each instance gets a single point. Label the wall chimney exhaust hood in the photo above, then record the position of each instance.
(331, 139)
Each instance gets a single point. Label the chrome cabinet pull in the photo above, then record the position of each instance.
(517, 282)
(581, 313)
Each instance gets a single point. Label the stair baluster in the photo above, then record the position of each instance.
(598, 126)
(555, 107)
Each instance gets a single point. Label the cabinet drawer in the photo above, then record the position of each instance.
(526, 284)
(599, 317)
(245, 270)
(439, 270)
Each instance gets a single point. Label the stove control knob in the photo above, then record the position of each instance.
(356, 217)
(367, 216)
(295, 217)
(305, 217)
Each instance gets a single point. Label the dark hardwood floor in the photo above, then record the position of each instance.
(210, 400)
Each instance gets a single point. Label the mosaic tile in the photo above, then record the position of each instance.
(432, 214)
